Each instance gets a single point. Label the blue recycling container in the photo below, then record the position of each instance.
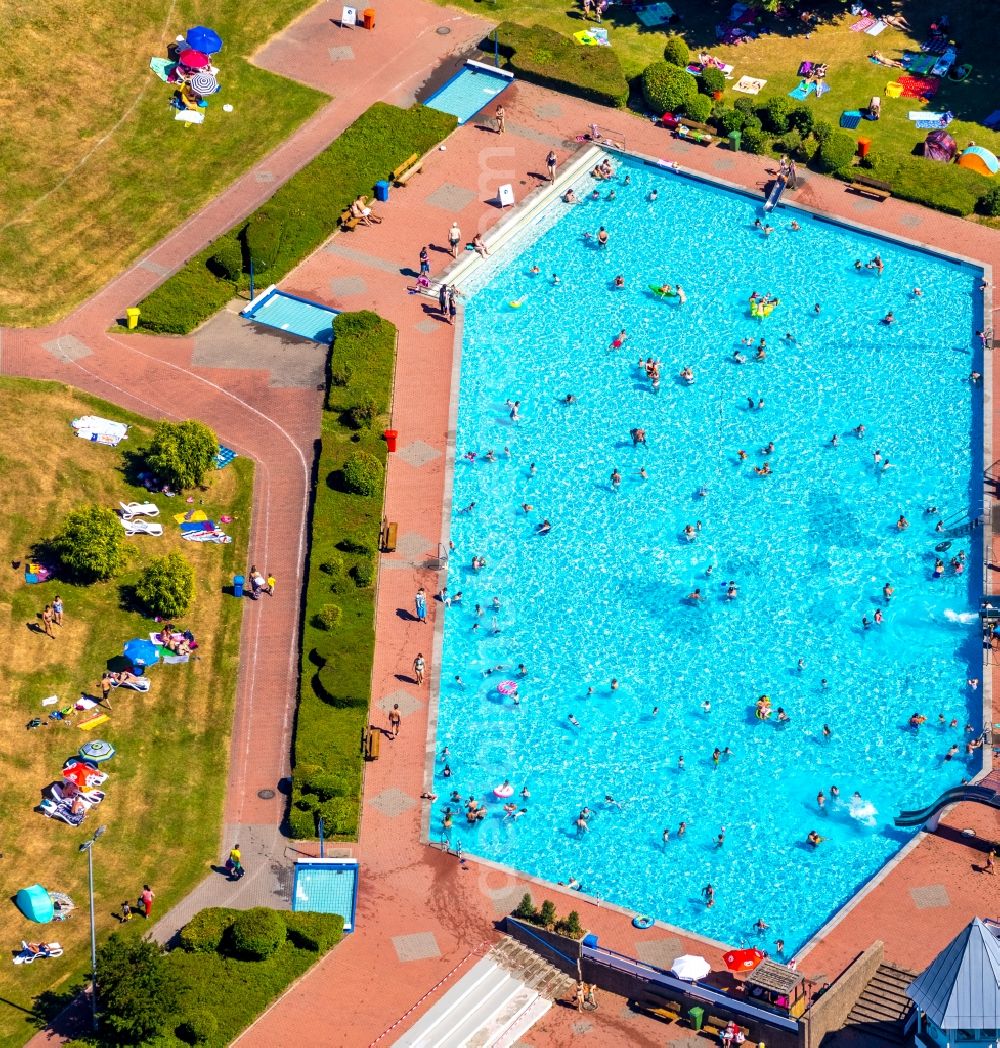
(382, 191)
(238, 581)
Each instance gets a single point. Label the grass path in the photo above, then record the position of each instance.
(165, 791)
(97, 169)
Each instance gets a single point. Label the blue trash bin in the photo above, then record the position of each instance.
(382, 191)
(238, 581)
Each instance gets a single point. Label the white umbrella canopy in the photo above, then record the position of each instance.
(691, 967)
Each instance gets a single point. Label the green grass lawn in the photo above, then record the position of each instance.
(776, 56)
(96, 168)
(166, 784)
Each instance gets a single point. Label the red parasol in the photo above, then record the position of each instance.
(192, 59)
(743, 960)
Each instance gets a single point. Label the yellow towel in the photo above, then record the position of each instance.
(195, 514)
(93, 722)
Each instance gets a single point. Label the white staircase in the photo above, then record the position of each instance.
(493, 1005)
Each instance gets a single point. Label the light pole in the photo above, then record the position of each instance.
(88, 847)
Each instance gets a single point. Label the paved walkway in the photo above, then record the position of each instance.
(422, 916)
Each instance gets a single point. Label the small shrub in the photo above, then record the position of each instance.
(526, 908)
(712, 81)
(198, 1028)
(364, 413)
(728, 120)
(205, 931)
(327, 617)
(747, 106)
(835, 151)
(364, 573)
(667, 87)
(166, 586)
(363, 474)
(359, 543)
(698, 108)
(676, 52)
(315, 931)
(263, 237)
(752, 122)
(333, 566)
(789, 143)
(181, 453)
(340, 375)
(871, 160)
(301, 824)
(801, 118)
(570, 926)
(822, 129)
(754, 141)
(989, 202)
(257, 933)
(227, 258)
(775, 114)
(91, 544)
(807, 149)
(547, 914)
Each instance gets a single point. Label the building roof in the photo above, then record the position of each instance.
(775, 977)
(961, 988)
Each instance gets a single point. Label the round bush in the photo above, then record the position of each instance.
(364, 413)
(698, 108)
(333, 566)
(752, 122)
(807, 150)
(989, 202)
(363, 573)
(712, 81)
(747, 106)
(357, 543)
(204, 932)
(775, 114)
(822, 129)
(836, 151)
(257, 933)
(667, 87)
(729, 120)
(198, 1028)
(302, 824)
(754, 141)
(801, 118)
(871, 161)
(789, 142)
(228, 258)
(328, 616)
(676, 51)
(166, 586)
(91, 545)
(363, 474)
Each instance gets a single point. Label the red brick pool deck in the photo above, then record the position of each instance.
(423, 918)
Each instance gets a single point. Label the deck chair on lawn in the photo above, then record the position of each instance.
(136, 509)
(138, 526)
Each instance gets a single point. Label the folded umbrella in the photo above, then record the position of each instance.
(201, 38)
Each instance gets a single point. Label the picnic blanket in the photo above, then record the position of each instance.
(191, 516)
(223, 457)
(862, 24)
(850, 118)
(100, 430)
(918, 64)
(936, 45)
(162, 67)
(592, 38)
(822, 88)
(874, 30)
(748, 85)
(196, 524)
(207, 536)
(803, 91)
(190, 116)
(654, 14)
(919, 86)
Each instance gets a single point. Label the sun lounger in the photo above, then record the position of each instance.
(138, 526)
(138, 509)
(45, 949)
(137, 684)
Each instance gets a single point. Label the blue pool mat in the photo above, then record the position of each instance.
(223, 457)
(850, 119)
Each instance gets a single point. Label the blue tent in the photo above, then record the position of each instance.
(35, 904)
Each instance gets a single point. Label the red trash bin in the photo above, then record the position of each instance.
(864, 146)
(368, 18)
(390, 438)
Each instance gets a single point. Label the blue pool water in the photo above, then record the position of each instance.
(326, 886)
(468, 91)
(293, 314)
(602, 595)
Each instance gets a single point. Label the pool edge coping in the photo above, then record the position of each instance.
(534, 202)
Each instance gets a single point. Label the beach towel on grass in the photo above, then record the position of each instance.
(748, 85)
(932, 125)
(100, 430)
(190, 516)
(654, 14)
(862, 24)
(189, 527)
(874, 30)
(822, 88)
(850, 119)
(918, 64)
(919, 86)
(803, 91)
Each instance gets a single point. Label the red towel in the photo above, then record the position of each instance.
(920, 86)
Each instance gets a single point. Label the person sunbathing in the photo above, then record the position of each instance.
(178, 644)
(124, 678)
(879, 59)
(36, 947)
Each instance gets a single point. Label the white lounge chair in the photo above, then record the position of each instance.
(136, 509)
(138, 526)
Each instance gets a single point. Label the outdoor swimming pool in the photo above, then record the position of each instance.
(602, 595)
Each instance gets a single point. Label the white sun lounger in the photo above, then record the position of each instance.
(138, 526)
(136, 509)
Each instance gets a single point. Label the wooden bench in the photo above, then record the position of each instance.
(670, 1011)
(869, 187)
(389, 537)
(373, 742)
(703, 134)
(407, 169)
(347, 220)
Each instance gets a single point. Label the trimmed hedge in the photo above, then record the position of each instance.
(335, 668)
(300, 216)
(257, 933)
(944, 187)
(206, 929)
(836, 151)
(546, 57)
(698, 108)
(677, 52)
(363, 474)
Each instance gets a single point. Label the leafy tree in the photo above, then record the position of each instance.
(547, 914)
(166, 586)
(667, 87)
(712, 80)
(134, 993)
(91, 545)
(676, 50)
(181, 453)
(775, 114)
